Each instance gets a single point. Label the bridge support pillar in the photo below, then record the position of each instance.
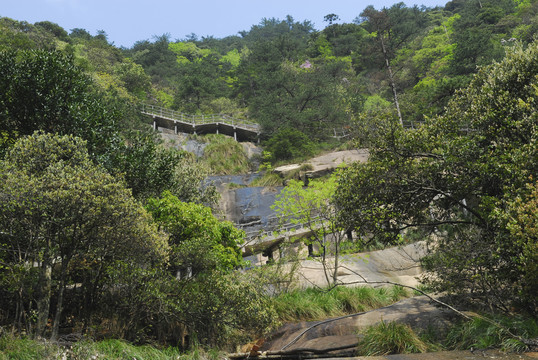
(235, 134)
(154, 123)
(175, 127)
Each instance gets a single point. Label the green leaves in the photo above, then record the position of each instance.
(199, 241)
(455, 175)
(44, 90)
(59, 206)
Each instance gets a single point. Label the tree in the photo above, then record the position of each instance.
(211, 301)
(58, 206)
(311, 99)
(392, 28)
(53, 28)
(330, 18)
(289, 143)
(313, 208)
(201, 78)
(45, 90)
(199, 242)
(149, 169)
(158, 61)
(455, 176)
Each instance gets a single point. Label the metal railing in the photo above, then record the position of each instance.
(280, 229)
(199, 119)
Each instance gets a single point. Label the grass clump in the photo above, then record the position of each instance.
(314, 304)
(224, 156)
(268, 179)
(390, 338)
(12, 347)
(17, 348)
(484, 332)
(118, 349)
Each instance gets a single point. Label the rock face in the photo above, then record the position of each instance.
(397, 264)
(325, 164)
(250, 207)
(341, 333)
(182, 141)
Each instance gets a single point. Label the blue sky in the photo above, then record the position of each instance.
(127, 21)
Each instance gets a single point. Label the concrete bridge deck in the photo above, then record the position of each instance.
(240, 130)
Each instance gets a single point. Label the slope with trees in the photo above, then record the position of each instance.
(79, 249)
(459, 177)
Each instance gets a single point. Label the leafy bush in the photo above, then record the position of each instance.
(483, 332)
(288, 144)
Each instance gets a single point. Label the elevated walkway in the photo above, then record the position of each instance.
(268, 240)
(240, 130)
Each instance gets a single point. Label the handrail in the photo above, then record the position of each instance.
(282, 228)
(198, 119)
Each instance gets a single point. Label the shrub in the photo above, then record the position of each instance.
(288, 144)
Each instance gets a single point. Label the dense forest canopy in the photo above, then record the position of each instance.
(404, 59)
(445, 98)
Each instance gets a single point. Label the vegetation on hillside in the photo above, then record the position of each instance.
(468, 178)
(105, 232)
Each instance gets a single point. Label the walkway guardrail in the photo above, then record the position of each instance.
(200, 119)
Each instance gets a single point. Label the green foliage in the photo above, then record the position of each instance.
(201, 77)
(390, 338)
(484, 332)
(41, 90)
(313, 207)
(268, 179)
(522, 223)
(12, 347)
(312, 100)
(59, 207)
(158, 61)
(457, 174)
(316, 304)
(149, 169)
(216, 305)
(289, 143)
(223, 155)
(199, 241)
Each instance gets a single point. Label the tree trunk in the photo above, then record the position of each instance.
(336, 255)
(43, 296)
(59, 306)
(391, 79)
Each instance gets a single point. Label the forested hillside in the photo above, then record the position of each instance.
(285, 75)
(107, 233)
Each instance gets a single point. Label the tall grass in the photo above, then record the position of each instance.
(223, 155)
(390, 338)
(483, 333)
(16, 348)
(12, 347)
(268, 179)
(314, 304)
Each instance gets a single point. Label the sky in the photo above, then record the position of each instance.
(128, 21)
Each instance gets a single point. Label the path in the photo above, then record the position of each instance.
(239, 129)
